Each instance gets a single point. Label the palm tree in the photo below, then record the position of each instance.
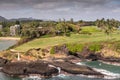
(108, 26)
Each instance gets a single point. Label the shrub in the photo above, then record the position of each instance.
(67, 34)
(85, 32)
(76, 47)
(52, 50)
(73, 48)
(95, 47)
(0, 33)
(90, 29)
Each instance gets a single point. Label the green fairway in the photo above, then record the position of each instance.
(82, 38)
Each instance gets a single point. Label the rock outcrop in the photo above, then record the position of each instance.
(24, 68)
(72, 68)
(87, 54)
(37, 53)
(47, 69)
(61, 49)
(3, 61)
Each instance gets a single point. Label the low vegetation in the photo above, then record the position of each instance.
(76, 35)
(47, 42)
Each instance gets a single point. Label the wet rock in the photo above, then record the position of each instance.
(111, 59)
(25, 68)
(40, 67)
(76, 69)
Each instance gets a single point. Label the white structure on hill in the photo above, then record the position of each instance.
(14, 30)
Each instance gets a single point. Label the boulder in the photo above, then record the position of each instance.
(15, 68)
(76, 69)
(88, 54)
(27, 68)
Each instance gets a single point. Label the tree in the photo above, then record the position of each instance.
(17, 22)
(71, 21)
(108, 26)
(1, 34)
(80, 23)
(62, 28)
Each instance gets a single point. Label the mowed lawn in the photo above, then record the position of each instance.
(81, 38)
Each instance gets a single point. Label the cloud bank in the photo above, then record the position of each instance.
(54, 9)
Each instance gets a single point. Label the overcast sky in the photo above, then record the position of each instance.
(55, 9)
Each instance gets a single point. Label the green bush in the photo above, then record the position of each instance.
(90, 29)
(95, 47)
(0, 33)
(52, 50)
(67, 34)
(73, 48)
(76, 47)
(85, 32)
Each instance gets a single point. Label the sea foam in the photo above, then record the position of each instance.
(108, 74)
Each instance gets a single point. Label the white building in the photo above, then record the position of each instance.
(14, 30)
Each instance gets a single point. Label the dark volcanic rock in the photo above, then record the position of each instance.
(40, 67)
(3, 61)
(85, 53)
(15, 68)
(76, 69)
(25, 68)
(61, 49)
(111, 59)
(88, 54)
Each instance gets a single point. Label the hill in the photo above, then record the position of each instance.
(2, 19)
(22, 19)
(81, 38)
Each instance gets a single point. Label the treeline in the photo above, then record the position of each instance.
(108, 25)
(5, 27)
(36, 29)
(62, 27)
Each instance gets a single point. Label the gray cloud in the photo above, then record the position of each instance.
(51, 4)
(60, 8)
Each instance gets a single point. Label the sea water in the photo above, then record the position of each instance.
(4, 44)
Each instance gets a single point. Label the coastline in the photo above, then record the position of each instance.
(9, 38)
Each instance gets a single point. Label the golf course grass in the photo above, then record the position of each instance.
(95, 36)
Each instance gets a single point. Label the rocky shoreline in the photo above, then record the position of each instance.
(47, 69)
(49, 66)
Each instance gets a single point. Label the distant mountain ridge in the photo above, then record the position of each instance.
(2, 19)
(16, 19)
(23, 19)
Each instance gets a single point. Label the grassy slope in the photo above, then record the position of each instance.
(82, 38)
